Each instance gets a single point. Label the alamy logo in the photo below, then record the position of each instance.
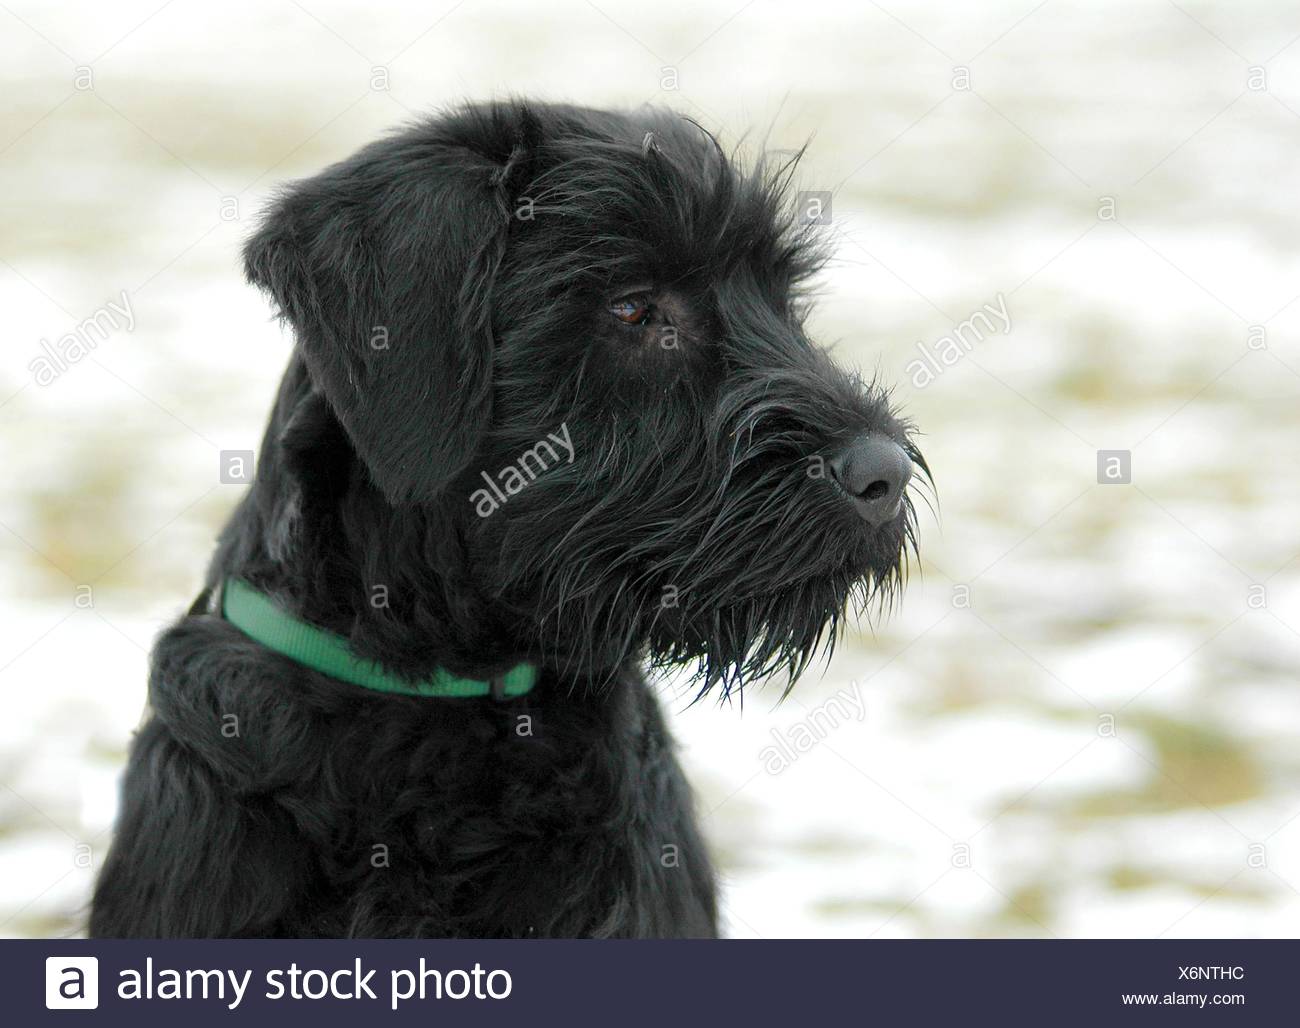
(962, 338)
(74, 347)
(71, 983)
(513, 477)
(803, 735)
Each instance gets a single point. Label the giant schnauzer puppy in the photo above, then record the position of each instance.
(552, 420)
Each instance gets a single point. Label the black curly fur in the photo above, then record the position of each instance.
(481, 249)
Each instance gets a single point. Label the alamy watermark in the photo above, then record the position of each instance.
(511, 479)
(949, 349)
(803, 735)
(77, 345)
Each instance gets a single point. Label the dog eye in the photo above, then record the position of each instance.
(631, 310)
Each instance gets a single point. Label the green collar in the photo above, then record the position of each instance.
(259, 617)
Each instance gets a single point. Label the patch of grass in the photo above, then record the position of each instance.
(1028, 911)
(1130, 878)
(1196, 764)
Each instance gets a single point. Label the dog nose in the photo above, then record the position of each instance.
(873, 470)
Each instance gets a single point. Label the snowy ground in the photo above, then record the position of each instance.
(1080, 722)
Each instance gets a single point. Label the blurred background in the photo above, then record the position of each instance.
(1083, 719)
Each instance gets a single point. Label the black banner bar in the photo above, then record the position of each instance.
(790, 983)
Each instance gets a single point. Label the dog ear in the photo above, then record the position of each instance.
(384, 265)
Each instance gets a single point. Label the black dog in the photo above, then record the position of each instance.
(552, 418)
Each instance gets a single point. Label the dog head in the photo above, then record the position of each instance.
(574, 341)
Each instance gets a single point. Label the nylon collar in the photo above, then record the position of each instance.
(263, 620)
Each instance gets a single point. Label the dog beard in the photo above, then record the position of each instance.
(705, 540)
